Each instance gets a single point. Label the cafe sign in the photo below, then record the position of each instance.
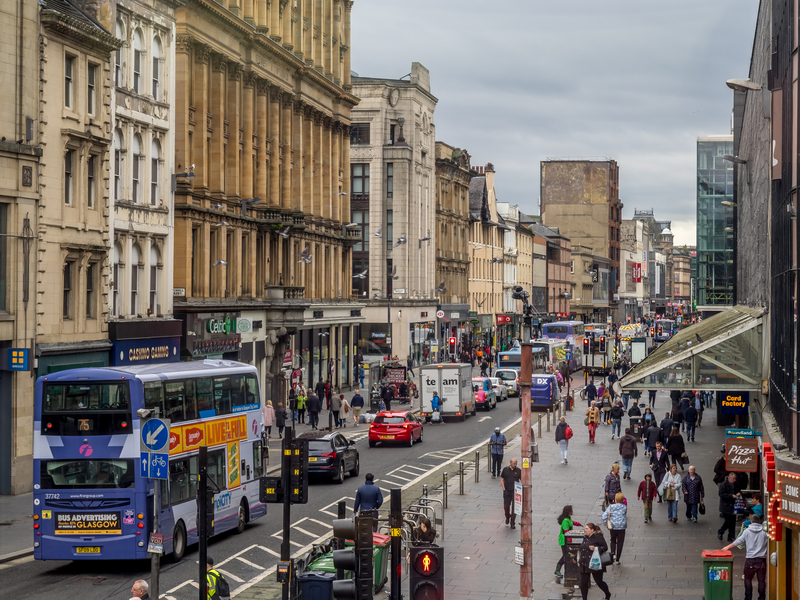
(741, 455)
(789, 491)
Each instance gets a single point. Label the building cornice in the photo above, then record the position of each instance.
(88, 34)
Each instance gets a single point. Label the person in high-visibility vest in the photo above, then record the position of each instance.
(216, 586)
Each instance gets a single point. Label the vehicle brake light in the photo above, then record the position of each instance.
(329, 455)
(458, 414)
(141, 525)
(36, 526)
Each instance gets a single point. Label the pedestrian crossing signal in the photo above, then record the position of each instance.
(426, 579)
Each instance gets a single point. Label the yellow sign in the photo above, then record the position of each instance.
(396, 532)
(46, 514)
(526, 463)
(234, 476)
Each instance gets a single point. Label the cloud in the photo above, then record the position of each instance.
(519, 81)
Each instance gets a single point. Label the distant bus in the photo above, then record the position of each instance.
(512, 359)
(664, 329)
(91, 499)
(555, 351)
(571, 331)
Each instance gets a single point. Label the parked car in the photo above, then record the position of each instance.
(331, 454)
(499, 387)
(395, 426)
(479, 383)
(510, 377)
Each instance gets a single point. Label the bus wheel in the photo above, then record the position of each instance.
(178, 542)
(242, 519)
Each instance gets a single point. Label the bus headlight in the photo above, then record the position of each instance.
(141, 544)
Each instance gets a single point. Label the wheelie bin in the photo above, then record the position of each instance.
(380, 561)
(316, 585)
(717, 574)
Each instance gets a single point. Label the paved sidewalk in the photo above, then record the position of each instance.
(16, 526)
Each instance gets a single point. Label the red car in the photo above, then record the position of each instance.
(395, 426)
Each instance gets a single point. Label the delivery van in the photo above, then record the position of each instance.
(453, 383)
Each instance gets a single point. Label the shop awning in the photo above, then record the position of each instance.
(721, 352)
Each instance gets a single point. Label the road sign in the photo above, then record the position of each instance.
(144, 469)
(159, 466)
(519, 555)
(155, 435)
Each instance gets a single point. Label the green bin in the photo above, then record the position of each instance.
(717, 574)
(380, 561)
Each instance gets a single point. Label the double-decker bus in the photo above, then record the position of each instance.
(571, 331)
(91, 500)
(512, 359)
(664, 329)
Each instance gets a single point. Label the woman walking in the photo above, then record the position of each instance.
(617, 516)
(669, 491)
(612, 485)
(593, 538)
(301, 404)
(676, 447)
(606, 407)
(563, 435)
(280, 419)
(648, 417)
(269, 417)
(646, 493)
(593, 418)
(693, 493)
(565, 523)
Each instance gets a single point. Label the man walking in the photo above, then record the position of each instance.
(497, 442)
(508, 476)
(729, 491)
(591, 393)
(666, 427)
(628, 451)
(368, 499)
(357, 403)
(410, 365)
(319, 389)
(651, 398)
(659, 463)
(755, 563)
(314, 405)
(690, 418)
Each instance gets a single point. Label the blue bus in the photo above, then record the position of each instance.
(90, 499)
(664, 329)
(512, 359)
(571, 331)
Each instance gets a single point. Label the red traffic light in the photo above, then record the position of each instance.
(426, 563)
(452, 340)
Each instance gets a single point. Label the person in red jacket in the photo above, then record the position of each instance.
(646, 493)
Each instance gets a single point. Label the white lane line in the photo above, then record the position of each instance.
(394, 475)
(325, 525)
(230, 575)
(194, 584)
(250, 564)
(412, 468)
(390, 482)
(384, 490)
(270, 551)
(308, 533)
(176, 588)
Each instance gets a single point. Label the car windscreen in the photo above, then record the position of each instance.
(83, 473)
(390, 420)
(507, 375)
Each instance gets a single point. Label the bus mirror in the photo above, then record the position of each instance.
(143, 413)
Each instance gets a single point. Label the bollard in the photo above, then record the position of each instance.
(559, 409)
(444, 487)
(424, 493)
(554, 416)
(461, 477)
(489, 458)
(539, 419)
(547, 417)
(477, 465)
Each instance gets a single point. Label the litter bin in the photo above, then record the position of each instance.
(636, 428)
(717, 574)
(316, 585)
(572, 575)
(380, 562)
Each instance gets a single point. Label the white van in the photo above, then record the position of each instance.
(453, 383)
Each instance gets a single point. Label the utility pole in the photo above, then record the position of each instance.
(286, 470)
(155, 559)
(526, 570)
(396, 543)
(202, 521)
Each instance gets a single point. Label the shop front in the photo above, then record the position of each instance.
(454, 321)
(506, 329)
(422, 335)
(212, 335)
(145, 342)
(52, 358)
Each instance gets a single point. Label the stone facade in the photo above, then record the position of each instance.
(558, 252)
(681, 277)
(517, 255)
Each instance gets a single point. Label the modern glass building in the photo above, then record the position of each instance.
(716, 272)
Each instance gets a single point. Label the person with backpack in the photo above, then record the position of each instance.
(628, 450)
(436, 409)
(563, 435)
(217, 587)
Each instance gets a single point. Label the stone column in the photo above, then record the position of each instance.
(346, 45)
(262, 120)
(327, 188)
(298, 197)
(183, 50)
(308, 30)
(262, 15)
(275, 95)
(336, 148)
(205, 274)
(286, 23)
(248, 108)
(297, 30)
(345, 158)
(235, 6)
(202, 57)
(310, 199)
(286, 150)
(249, 12)
(217, 110)
(318, 29)
(328, 23)
(324, 206)
(233, 185)
(275, 20)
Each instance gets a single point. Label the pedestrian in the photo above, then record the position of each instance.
(368, 500)
(666, 427)
(628, 450)
(357, 403)
(659, 462)
(591, 393)
(669, 488)
(676, 448)
(425, 534)
(328, 393)
(601, 389)
(484, 367)
(436, 409)
(565, 524)
(700, 407)
(612, 379)
(693, 493)
(651, 435)
(140, 589)
(314, 405)
(728, 492)
(651, 397)
(677, 416)
(686, 402)
(648, 416)
(563, 435)
(634, 410)
(607, 404)
(690, 417)
(617, 412)
(675, 397)
(636, 395)
(319, 389)
(361, 374)
(755, 562)
(508, 476)
(343, 411)
(217, 587)
(280, 419)
(497, 442)
(269, 417)
(616, 517)
(612, 484)
(410, 365)
(646, 493)
(388, 396)
(293, 404)
(720, 468)
(592, 419)
(593, 538)
(336, 407)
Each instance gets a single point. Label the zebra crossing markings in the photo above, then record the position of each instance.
(229, 575)
(325, 510)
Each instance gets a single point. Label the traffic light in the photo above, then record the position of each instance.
(426, 576)
(452, 345)
(652, 332)
(357, 559)
(660, 331)
(586, 345)
(602, 344)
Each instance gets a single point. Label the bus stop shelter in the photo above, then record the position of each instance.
(722, 353)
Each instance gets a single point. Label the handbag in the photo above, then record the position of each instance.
(605, 559)
(738, 506)
(701, 509)
(669, 494)
(586, 421)
(608, 523)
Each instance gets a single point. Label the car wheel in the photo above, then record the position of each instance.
(356, 468)
(420, 436)
(340, 473)
(473, 413)
(178, 542)
(242, 519)
(372, 444)
(410, 438)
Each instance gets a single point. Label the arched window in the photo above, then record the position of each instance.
(117, 164)
(116, 274)
(154, 280)
(135, 268)
(156, 74)
(118, 78)
(155, 159)
(138, 48)
(137, 159)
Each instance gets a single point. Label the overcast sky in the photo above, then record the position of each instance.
(519, 81)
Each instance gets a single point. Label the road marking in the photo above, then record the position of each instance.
(193, 584)
(483, 419)
(254, 565)
(229, 575)
(308, 533)
(325, 525)
(394, 475)
(270, 551)
(336, 514)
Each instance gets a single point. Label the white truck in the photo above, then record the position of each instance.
(453, 383)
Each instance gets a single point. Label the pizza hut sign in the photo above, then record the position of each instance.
(741, 454)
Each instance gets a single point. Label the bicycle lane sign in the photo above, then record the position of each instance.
(158, 465)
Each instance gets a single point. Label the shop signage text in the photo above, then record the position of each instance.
(502, 319)
(141, 352)
(741, 454)
(789, 508)
(733, 403)
(226, 325)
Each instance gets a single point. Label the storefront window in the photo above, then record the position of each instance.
(344, 362)
(372, 343)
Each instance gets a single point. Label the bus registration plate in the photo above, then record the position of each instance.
(88, 550)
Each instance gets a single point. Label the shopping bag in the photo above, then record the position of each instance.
(586, 421)
(594, 563)
(436, 417)
(738, 506)
(669, 494)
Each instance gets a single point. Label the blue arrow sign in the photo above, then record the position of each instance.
(155, 435)
(159, 466)
(144, 467)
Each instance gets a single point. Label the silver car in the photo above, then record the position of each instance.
(510, 378)
(500, 389)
